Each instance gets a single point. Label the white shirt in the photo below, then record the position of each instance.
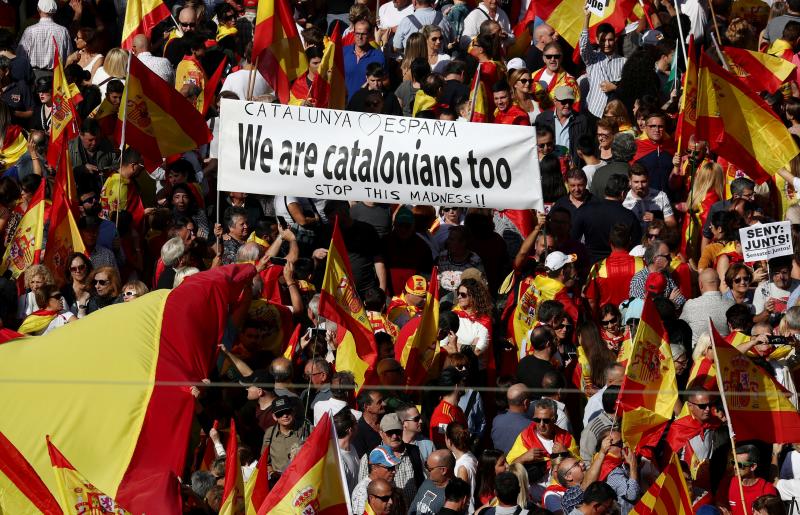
(782, 296)
(390, 17)
(467, 332)
(697, 18)
(350, 462)
(334, 406)
(100, 81)
(238, 82)
(59, 321)
(472, 24)
(654, 201)
(589, 170)
(158, 65)
(469, 463)
(594, 406)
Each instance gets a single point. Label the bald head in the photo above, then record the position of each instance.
(187, 19)
(442, 458)
(140, 44)
(615, 373)
(281, 369)
(517, 395)
(379, 487)
(543, 34)
(709, 280)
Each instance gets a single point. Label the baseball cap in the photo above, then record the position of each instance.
(652, 37)
(44, 85)
(261, 376)
(557, 259)
(384, 456)
(281, 404)
(391, 422)
(416, 285)
(516, 64)
(564, 93)
(47, 6)
(656, 283)
(404, 216)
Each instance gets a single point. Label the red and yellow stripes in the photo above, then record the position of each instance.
(669, 495)
(233, 490)
(257, 487)
(328, 89)
(23, 491)
(417, 344)
(26, 246)
(140, 18)
(760, 71)
(277, 47)
(567, 17)
(687, 118)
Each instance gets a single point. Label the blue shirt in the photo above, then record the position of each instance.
(505, 429)
(355, 71)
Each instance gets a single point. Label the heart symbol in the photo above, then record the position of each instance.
(369, 123)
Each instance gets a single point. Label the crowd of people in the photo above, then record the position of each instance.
(518, 422)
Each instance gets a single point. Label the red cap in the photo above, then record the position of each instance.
(656, 283)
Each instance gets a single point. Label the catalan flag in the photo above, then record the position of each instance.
(669, 495)
(739, 125)
(277, 48)
(157, 120)
(23, 491)
(25, 248)
(140, 18)
(649, 390)
(757, 404)
(313, 482)
(760, 71)
(328, 89)
(339, 303)
(129, 435)
(417, 344)
(257, 486)
(687, 117)
(78, 494)
(233, 489)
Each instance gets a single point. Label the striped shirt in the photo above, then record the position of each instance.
(37, 40)
(599, 68)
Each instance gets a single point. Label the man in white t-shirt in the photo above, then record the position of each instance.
(239, 81)
(773, 294)
(645, 201)
(391, 13)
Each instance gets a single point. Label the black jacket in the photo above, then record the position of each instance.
(578, 126)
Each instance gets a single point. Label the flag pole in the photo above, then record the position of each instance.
(714, 18)
(731, 433)
(251, 80)
(680, 31)
(122, 135)
(340, 463)
(719, 53)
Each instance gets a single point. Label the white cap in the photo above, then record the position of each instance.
(556, 260)
(47, 6)
(516, 64)
(637, 251)
(677, 349)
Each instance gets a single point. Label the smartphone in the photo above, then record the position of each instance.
(316, 333)
(278, 261)
(282, 223)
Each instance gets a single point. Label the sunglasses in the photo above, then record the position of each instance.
(394, 433)
(610, 322)
(651, 236)
(79, 268)
(525, 81)
(89, 200)
(702, 406)
(543, 420)
(448, 209)
(740, 280)
(436, 39)
(101, 282)
(413, 419)
(187, 24)
(463, 295)
(566, 101)
(552, 56)
(660, 127)
(57, 296)
(544, 145)
(130, 293)
(384, 498)
(742, 464)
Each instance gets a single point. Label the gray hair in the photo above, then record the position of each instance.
(202, 481)
(623, 148)
(792, 318)
(182, 273)
(172, 251)
(313, 304)
(250, 251)
(739, 185)
(545, 403)
(651, 251)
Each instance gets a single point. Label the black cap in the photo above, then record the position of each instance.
(44, 85)
(281, 404)
(261, 376)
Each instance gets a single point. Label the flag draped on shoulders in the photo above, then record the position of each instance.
(140, 18)
(528, 440)
(327, 88)
(37, 321)
(77, 493)
(669, 495)
(313, 482)
(339, 302)
(163, 339)
(23, 491)
(233, 489)
(417, 344)
(277, 46)
(25, 248)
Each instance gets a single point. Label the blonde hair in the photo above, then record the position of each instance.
(700, 348)
(708, 177)
(513, 77)
(742, 34)
(615, 110)
(116, 62)
(416, 46)
(38, 271)
(522, 476)
(113, 277)
(138, 286)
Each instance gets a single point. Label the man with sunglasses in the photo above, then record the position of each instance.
(566, 123)
(430, 497)
(382, 465)
(655, 151)
(747, 458)
(409, 416)
(379, 494)
(286, 437)
(552, 74)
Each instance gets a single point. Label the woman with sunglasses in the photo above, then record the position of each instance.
(611, 330)
(77, 273)
(133, 290)
(106, 283)
(553, 75)
(434, 41)
(738, 279)
(474, 312)
(50, 317)
(522, 93)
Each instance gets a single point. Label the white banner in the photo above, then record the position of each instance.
(597, 7)
(298, 151)
(766, 241)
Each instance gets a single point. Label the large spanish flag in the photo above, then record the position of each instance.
(106, 114)
(481, 91)
(567, 17)
(25, 248)
(649, 391)
(124, 403)
(417, 344)
(313, 482)
(739, 125)
(14, 145)
(157, 120)
(23, 491)
(758, 70)
(757, 404)
(277, 47)
(328, 88)
(77, 493)
(233, 489)
(687, 117)
(339, 303)
(257, 486)
(64, 119)
(669, 495)
(140, 18)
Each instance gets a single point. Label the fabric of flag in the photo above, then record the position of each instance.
(483, 106)
(757, 404)
(687, 116)
(25, 248)
(209, 453)
(339, 302)
(417, 346)
(123, 428)
(669, 495)
(760, 71)
(140, 18)
(523, 318)
(312, 483)
(328, 88)
(522, 35)
(257, 486)
(739, 125)
(567, 17)
(206, 100)
(528, 440)
(277, 46)
(22, 490)
(77, 494)
(14, 145)
(106, 115)
(233, 489)
(294, 344)
(122, 194)
(37, 321)
(63, 119)
(649, 390)
(160, 122)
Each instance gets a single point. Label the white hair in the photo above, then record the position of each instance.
(172, 251)
(182, 273)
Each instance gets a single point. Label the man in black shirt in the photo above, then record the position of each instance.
(454, 91)
(533, 367)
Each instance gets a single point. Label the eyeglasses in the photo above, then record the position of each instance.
(89, 200)
(130, 294)
(543, 420)
(742, 464)
(184, 24)
(362, 34)
(610, 321)
(665, 256)
(702, 406)
(653, 126)
(384, 498)
(525, 81)
(552, 56)
(652, 236)
(545, 145)
(740, 280)
(463, 295)
(578, 463)
(79, 268)
(312, 374)
(603, 135)
(413, 419)
(101, 282)
(566, 101)
(431, 469)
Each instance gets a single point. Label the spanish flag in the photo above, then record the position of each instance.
(106, 115)
(528, 439)
(758, 70)
(687, 117)
(140, 18)
(417, 344)
(206, 100)
(257, 487)
(37, 322)
(23, 491)
(14, 145)
(757, 404)
(739, 125)
(209, 453)
(481, 91)
(63, 120)
(294, 343)
(314, 481)
(339, 303)
(78, 494)
(277, 48)
(157, 120)
(522, 36)
(328, 88)
(567, 16)
(127, 408)
(669, 495)
(26, 246)
(649, 391)
(233, 489)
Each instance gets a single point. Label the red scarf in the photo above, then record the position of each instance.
(646, 146)
(609, 463)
